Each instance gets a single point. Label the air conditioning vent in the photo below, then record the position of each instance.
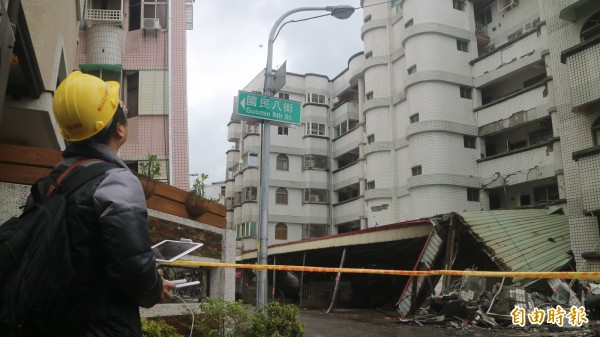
(150, 23)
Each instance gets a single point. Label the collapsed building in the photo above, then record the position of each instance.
(499, 240)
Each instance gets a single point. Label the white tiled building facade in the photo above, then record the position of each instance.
(453, 105)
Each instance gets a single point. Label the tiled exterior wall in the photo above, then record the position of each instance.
(574, 134)
(148, 50)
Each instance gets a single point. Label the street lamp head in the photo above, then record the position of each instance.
(341, 12)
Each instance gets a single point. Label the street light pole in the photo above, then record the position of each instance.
(340, 12)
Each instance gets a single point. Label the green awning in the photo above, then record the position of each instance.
(579, 9)
(91, 67)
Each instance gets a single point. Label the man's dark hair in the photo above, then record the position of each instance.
(103, 136)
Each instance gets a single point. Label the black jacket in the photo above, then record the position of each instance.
(115, 270)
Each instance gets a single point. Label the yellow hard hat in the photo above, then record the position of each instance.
(84, 105)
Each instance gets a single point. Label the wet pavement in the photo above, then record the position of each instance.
(367, 324)
(351, 323)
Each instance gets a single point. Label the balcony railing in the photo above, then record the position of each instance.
(347, 211)
(104, 15)
(504, 109)
(525, 165)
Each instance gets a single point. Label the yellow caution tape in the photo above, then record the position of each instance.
(516, 274)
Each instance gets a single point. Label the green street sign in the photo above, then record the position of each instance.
(264, 107)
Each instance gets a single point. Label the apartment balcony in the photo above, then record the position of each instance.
(532, 163)
(347, 141)
(104, 16)
(514, 109)
(234, 131)
(583, 60)
(522, 51)
(346, 176)
(348, 109)
(347, 211)
(233, 156)
(481, 33)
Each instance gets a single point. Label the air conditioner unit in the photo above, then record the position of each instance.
(151, 23)
(505, 5)
(313, 198)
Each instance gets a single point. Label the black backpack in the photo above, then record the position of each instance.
(35, 257)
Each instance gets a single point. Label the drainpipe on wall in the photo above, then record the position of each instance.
(169, 91)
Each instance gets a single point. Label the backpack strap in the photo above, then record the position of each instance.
(66, 172)
(74, 179)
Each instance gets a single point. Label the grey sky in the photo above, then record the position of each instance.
(227, 49)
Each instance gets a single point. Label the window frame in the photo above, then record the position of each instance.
(462, 45)
(469, 142)
(282, 162)
(473, 194)
(459, 5)
(414, 118)
(282, 130)
(281, 231)
(281, 196)
(465, 92)
(416, 170)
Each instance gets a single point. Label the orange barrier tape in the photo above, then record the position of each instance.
(517, 274)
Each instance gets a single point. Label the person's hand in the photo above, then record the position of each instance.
(168, 290)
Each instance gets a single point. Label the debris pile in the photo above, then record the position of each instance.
(469, 305)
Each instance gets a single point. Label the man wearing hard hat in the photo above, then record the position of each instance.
(115, 270)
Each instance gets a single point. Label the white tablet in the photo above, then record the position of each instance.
(171, 250)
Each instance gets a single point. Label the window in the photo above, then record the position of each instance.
(281, 196)
(591, 28)
(156, 9)
(344, 127)
(246, 229)
(414, 118)
(412, 69)
(367, 18)
(465, 92)
(462, 45)
(251, 159)
(469, 142)
(133, 94)
(371, 185)
(484, 17)
(408, 23)
(281, 231)
(314, 161)
(223, 189)
(369, 95)
(314, 129)
(416, 170)
(283, 163)
(135, 13)
(596, 131)
(284, 95)
(472, 194)
(545, 193)
(368, 54)
(249, 193)
(525, 200)
(315, 195)
(316, 98)
(458, 5)
(282, 130)
(314, 230)
(370, 139)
